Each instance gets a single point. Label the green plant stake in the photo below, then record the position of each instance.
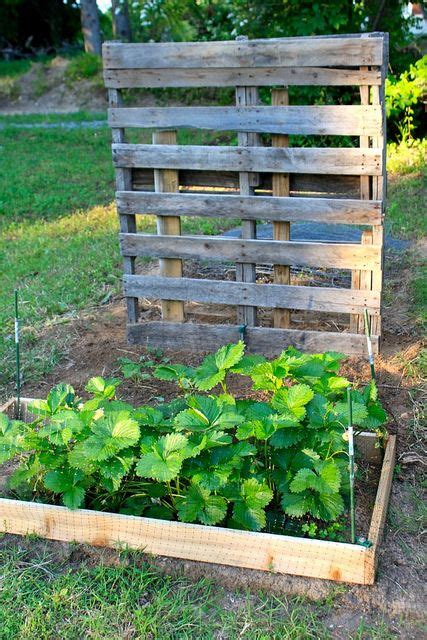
(351, 464)
(18, 359)
(369, 344)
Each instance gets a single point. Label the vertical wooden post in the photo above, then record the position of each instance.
(281, 230)
(356, 321)
(245, 272)
(127, 221)
(168, 180)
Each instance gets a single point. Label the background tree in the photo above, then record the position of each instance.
(90, 26)
(121, 20)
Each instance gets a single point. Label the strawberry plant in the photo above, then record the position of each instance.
(274, 460)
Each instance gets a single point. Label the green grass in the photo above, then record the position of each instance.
(44, 598)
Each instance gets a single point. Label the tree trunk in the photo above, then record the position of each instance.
(90, 26)
(121, 21)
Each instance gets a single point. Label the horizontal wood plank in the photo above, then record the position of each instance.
(273, 296)
(274, 52)
(352, 120)
(262, 551)
(347, 161)
(308, 254)
(268, 341)
(243, 76)
(250, 208)
(309, 183)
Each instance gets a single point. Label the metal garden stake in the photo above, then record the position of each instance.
(369, 344)
(351, 464)
(18, 359)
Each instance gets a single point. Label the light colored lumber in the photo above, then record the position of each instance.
(167, 180)
(268, 341)
(280, 209)
(273, 296)
(379, 513)
(243, 76)
(349, 120)
(272, 52)
(345, 161)
(262, 551)
(281, 230)
(309, 254)
(300, 184)
(127, 222)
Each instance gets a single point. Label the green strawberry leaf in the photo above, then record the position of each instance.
(249, 510)
(199, 504)
(229, 355)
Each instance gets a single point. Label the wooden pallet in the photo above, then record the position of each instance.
(251, 182)
(263, 551)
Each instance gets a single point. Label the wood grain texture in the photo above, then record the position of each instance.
(127, 222)
(268, 341)
(281, 230)
(259, 208)
(379, 514)
(346, 161)
(167, 180)
(352, 120)
(309, 254)
(273, 296)
(246, 272)
(231, 77)
(334, 186)
(262, 551)
(274, 52)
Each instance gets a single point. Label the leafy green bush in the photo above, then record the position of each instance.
(83, 66)
(255, 463)
(404, 99)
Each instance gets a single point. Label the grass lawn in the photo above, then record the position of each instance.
(45, 598)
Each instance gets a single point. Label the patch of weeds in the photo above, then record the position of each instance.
(9, 88)
(84, 66)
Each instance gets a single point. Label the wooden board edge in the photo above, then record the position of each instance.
(379, 513)
(258, 339)
(336, 561)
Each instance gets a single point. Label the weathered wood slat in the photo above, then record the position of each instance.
(309, 184)
(259, 208)
(281, 230)
(127, 222)
(223, 77)
(247, 272)
(352, 120)
(167, 180)
(270, 342)
(347, 161)
(274, 52)
(309, 254)
(273, 296)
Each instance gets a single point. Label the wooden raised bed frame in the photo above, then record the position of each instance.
(337, 561)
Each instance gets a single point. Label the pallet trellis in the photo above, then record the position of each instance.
(251, 182)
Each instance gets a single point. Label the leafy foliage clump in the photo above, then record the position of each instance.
(257, 463)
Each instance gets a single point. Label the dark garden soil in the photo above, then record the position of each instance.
(97, 339)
